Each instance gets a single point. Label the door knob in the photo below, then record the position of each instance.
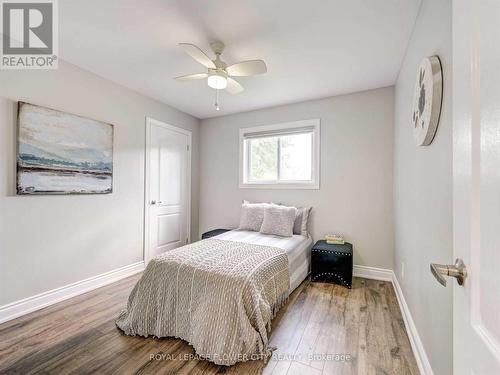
(153, 203)
(457, 270)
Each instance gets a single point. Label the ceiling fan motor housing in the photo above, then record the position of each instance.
(217, 72)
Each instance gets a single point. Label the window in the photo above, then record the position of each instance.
(280, 156)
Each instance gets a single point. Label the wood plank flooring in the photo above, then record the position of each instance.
(323, 329)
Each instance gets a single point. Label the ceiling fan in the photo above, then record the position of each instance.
(218, 73)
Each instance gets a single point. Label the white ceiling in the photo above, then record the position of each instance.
(313, 49)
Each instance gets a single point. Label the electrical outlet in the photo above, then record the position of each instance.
(402, 270)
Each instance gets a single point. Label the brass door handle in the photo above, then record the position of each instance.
(457, 270)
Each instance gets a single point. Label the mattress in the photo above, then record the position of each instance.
(297, 247)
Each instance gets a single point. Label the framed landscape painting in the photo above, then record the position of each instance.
(61, 153)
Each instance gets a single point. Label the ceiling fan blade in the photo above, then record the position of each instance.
(191, 77)
(233, 87)
(247, 68)
(198, 55)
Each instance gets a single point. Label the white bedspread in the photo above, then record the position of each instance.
(297, 247)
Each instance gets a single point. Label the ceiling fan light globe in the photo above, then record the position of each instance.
(217, 82)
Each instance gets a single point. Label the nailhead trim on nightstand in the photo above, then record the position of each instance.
(332, 252)
(333, 274)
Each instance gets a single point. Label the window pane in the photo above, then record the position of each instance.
(263, 159)
(296, 157)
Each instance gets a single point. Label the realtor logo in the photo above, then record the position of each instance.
(29, 34)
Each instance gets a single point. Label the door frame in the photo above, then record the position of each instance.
(149, 122)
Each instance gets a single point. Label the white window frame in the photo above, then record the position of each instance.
(284, 128)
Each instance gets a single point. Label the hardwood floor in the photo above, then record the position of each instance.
(324, 329)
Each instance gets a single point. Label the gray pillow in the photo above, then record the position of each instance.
(251, 216)
(278, 220)
(301, 218)
(297, 224)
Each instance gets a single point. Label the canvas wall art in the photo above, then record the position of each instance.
(61, 153)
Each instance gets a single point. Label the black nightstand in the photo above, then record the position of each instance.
(332, 263)
(213, 233)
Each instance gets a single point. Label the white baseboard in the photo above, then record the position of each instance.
(416, 344)
(39, 301)
(383, 274)
(372, 273)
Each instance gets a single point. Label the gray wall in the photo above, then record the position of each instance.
(423, 191)
(355, 197)
(50, 241)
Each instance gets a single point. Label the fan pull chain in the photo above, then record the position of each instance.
(217, 108)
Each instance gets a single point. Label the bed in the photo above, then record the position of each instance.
(219, 294)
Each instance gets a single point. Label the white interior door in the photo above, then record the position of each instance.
(476, 164)
(168, 187)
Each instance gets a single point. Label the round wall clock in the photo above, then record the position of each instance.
(427, 100)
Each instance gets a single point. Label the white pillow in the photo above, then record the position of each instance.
(251, 216)
(278, 220)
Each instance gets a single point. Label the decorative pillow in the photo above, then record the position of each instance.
(251, 216)
(300, 224)
(297, 224)
(301, 218)
(278, 220)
